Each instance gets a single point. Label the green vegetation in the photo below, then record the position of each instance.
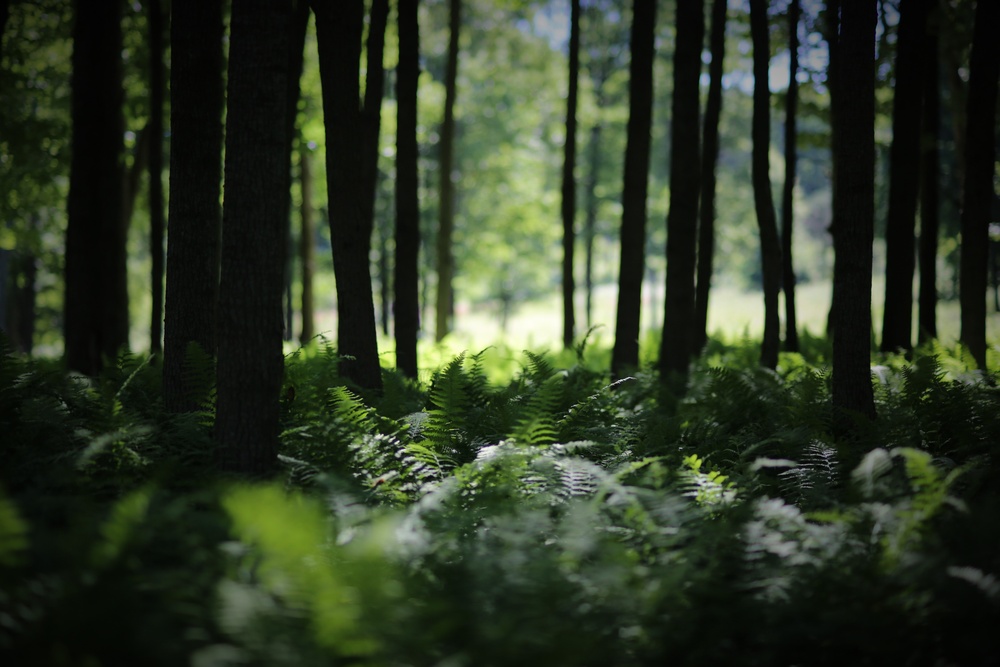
(548, 519)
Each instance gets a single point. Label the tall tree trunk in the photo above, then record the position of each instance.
(904, 180)
(193, 247)
(371, 113)
(930, 187)
(979, 169)
(250, 362)
(854, 208)
(709, 159)
(96, 299)
(770, 250)
(569, 179)
(677, 343)
(156, 222)
(338, 33)
(307, 243)
(831, 34)
(625, 354)
(407, 282)
(788, 192)
(446, 192)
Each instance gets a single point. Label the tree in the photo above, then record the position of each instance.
(709, 159)
(930, 188)
(371, 110)
(569, 178)
(788, 191)
(338, 34)
(770, 250)
(307, 243)
(96, 298)
(625, 353)
(446, 187)
(193, 247)
(904, 179)
(854, 211)
(406, 283)
(250, 362)
(156, 222)
(978, 192)
(677, 343)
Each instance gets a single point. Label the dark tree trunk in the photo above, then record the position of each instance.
(96, 299)
(904, 180)
(930, 189)
(590, 219)
(446, 187)
(677, 343)
(307, 244)
(250, 363)
(625, 354)
(709, 159)
(193, 247)
(854, 208)
(770, 250)
(156, 221)
(788, 192)
(569, 179)
(831, 33)
(384, 270)
(338, 33)
(371, 113)
(406, 283)
(979, 168)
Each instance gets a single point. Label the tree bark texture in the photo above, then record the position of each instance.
(709, 159)
(250, 362)
(979, 169)
(568, 208)
(195, 225)
(788, 190)
(307, 244)
(96, 299)
(677, 343)
(930, 186)
(406, 282)
(338, 33)
(446, 187)
(625, 354)
(904, 179)
(854, 208)
(156, 221)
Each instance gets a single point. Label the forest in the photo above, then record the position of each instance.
(499, 332)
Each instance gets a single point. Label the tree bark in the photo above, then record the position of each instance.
(193, 246)
(904, 180)
(709, 159)
(788, 191)
(625, 354)
(979, 169)
(250, 362)
(569, 179)
(677, 343)
(156, 221)
(406, 283)
(854, 208)
(446, 187)
(371, 112)
(96, 298)
(930, 187)
(307, 243)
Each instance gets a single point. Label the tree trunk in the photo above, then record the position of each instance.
(677, 343)
(96, 299)
(307, 244)
(590, 219)
(625, 354)
(569, 179)
(338, 33)
(788, 192)
(193, 246)
(371, 113)
(156, 221)
(930, 188)
(979, 169)
(854, 208)
(406, 283)
(770, 250)
(831, 34)
(446, 192)
(709, 159)
(250, 363)
(904, 180)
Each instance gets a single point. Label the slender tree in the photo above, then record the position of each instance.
(193, 247)
(831, 34)
(406, 283)
(788, 191)
(446, 187)
(371, 110)
(677, 343)
(156, 221)
(854, 208)
(904, 179)
(930, 188)
(625, 354)
(569, 178)
(307, 243)
(96, 298)
(709, 159)
(978, 194)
